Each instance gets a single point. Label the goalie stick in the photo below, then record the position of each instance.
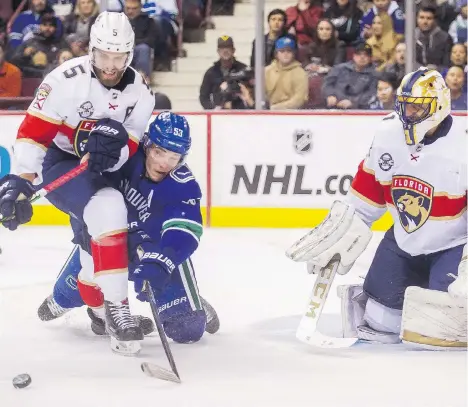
(307, 330)
(151, 369)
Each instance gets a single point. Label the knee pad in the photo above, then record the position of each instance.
(187, 327)
(382, 318)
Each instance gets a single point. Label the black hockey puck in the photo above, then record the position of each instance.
(21, 381)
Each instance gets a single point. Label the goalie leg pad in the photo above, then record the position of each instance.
(353, 305)
(382, 318)
(433, 320)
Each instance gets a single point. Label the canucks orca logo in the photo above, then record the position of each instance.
(412, 198)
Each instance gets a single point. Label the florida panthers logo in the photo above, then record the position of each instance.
(81, 136)
(412, 198)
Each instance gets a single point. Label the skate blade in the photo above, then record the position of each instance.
(157, 372)
(125, 348)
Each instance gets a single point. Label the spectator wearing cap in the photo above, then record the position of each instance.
(277, 28)
(386, 92)
(353, 84)
(379, 7)
(383, 41)
(302, 20)
(432, 44)
(10, 77)
(27, 23)
(215, 79)
(80, 21)
(345, 16)
(146, 36)
(286, 82)
(458, 28)
(455, 80)
(34, 55)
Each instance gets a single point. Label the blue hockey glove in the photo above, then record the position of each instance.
(154, 267)
(104, 145)
(19, 212)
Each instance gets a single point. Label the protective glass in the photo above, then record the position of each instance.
(163, 158)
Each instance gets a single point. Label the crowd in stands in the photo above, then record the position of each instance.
(319, 54)
(342, 54)
(38, 35)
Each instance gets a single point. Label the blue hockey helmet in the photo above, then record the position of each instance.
(171, 132)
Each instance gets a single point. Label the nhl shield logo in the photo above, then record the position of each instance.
(303, 141)
(412, 198)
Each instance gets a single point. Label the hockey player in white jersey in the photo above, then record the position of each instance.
(93, 108)
(415, 169)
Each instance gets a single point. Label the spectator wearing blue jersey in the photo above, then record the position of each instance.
(146, 36)
(27, 23)
(62, 8)
(164, 12)
(458, 28)
(383, 6)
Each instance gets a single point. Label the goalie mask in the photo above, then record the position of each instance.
(423, 102)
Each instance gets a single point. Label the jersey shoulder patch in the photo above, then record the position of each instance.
(183, 184)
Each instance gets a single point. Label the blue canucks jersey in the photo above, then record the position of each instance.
(165, 214)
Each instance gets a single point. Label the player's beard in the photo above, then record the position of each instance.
(108, 80)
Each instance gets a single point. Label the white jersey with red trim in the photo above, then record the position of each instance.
(424, 186)
(68, 103)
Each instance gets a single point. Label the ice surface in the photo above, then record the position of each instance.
(254, 361)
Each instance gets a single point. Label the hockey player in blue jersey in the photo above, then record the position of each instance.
(165, 226)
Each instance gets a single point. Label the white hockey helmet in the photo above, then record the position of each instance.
(112, 32)
(423, 102)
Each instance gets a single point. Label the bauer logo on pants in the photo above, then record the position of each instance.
(412, 198)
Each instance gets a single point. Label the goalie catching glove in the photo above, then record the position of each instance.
(341, 233)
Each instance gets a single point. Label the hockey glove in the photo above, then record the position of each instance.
(155, 268)
(17, 211)
(105, 143)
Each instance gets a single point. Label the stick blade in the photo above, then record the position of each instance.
(326, 342)
(158, 372)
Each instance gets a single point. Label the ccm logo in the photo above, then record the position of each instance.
(163, 259)
(107, 129)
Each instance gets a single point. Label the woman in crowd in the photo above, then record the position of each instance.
(326, 50)
(345, 16)
(383, 41)
(80, 22)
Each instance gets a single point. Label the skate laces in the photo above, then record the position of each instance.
(55, 308)
(121, 315)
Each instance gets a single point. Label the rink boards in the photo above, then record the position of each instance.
(258, 169)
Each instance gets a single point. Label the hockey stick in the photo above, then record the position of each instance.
(52, 186)
(151, 369)
(307, 331)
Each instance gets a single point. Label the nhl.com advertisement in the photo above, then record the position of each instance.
(286, 161)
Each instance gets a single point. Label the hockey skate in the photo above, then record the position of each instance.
(124, 332)
(212, 320)
(98, 324)
(50, 310)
